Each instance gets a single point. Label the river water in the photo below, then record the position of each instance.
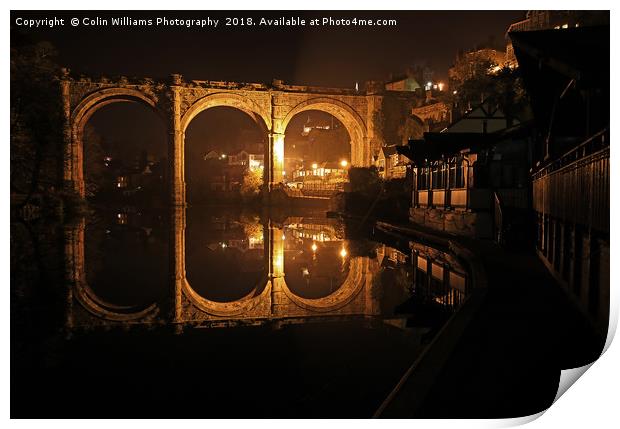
(218, 312)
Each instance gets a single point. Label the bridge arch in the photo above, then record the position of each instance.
(224, 99)
(352, 121)
(83, 112)
(219, 99)
(89, 105)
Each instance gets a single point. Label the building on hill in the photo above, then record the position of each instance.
(403, 83)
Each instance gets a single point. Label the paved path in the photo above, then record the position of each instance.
(506, 361)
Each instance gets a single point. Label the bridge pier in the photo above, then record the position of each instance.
(274, 166)
(274, 161)
(176, 150)
(73, 178)
(177, 263)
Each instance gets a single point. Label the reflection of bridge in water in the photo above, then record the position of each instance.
(354, 288)
(271, 299)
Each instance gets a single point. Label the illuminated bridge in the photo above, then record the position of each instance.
(178, 102)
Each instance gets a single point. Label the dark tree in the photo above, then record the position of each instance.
(365, 181)
(36, 126)
(394, 122)
(502, 88)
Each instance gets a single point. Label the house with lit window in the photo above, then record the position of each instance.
(391, 164)
(247, 159)
(321, 172)
(319, 179)
(468, 176)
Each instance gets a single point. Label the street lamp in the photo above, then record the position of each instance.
(344, 163)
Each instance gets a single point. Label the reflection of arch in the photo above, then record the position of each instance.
(223, 99)
(182, 286)
(352, 285)
(100, 308)
(227, 309)
(83, 293)
(82, 113)
(275, 293)
(344, 113)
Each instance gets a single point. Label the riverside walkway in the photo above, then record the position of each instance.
(500, 355)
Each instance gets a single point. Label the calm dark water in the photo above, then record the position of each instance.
(218, 313)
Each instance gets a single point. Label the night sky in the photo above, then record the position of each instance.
(300, 55)
(323, 56)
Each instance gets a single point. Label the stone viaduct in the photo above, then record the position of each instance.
(178, 102)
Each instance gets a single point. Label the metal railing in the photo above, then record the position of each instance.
(596, 143)
(523, 25)
(575, 187)
(309, 189)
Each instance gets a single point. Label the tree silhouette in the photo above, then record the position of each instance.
(36, 125)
